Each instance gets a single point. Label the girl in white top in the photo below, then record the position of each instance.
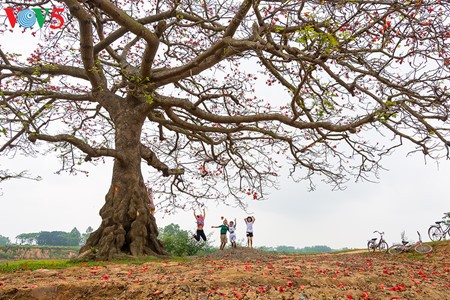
(249, 221)
(232, 230)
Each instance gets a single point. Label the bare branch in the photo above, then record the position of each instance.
(90, 151)
(87, 44)
(150, 157)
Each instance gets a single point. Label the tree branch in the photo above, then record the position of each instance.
(50, 69)
(90, 151)
(87, 44)
(150, 157)
(135, 27)
(6, 175)
(238, 18)
(168, 102)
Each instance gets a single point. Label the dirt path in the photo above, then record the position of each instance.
(245, 274)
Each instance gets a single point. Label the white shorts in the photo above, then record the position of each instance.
(232, 237)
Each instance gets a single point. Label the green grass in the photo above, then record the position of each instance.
(23, 265)
(439, 243)
(30, 265)
(340, 251)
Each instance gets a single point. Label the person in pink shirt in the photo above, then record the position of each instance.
(200, 224)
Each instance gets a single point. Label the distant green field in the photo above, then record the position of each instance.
(22, 265)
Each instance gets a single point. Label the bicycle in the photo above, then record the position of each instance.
(381, 245)
(437, 232)
(418, 246)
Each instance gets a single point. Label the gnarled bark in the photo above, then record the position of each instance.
(127, 225)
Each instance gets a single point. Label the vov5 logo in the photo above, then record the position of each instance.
(28, 17)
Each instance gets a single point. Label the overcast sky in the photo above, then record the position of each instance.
(410, 197)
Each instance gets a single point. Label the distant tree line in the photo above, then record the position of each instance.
(292, 249)
(177, 242)
(4, 240)
(54, 238)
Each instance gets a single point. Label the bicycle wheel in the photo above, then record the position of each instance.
(435, 233)
(423, 248)
(447, 230)
(383, 247)
(371, 246)
(395, 249)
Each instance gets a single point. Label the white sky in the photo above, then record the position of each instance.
(410, 197)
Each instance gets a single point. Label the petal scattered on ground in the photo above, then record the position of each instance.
(245, 274)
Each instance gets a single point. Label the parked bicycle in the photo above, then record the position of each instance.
(437, 232)
(381, 245)
(418, 246)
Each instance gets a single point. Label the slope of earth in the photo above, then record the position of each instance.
(13, 252)
(246, 274)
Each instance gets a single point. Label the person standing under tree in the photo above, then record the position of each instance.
(232, 230)
(249, 221)
(200, 224)
(223, 233)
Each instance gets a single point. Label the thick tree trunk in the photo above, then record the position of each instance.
(127, 225)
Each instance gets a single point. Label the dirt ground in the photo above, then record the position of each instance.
(246, 274)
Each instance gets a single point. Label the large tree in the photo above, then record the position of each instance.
(217, 96)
